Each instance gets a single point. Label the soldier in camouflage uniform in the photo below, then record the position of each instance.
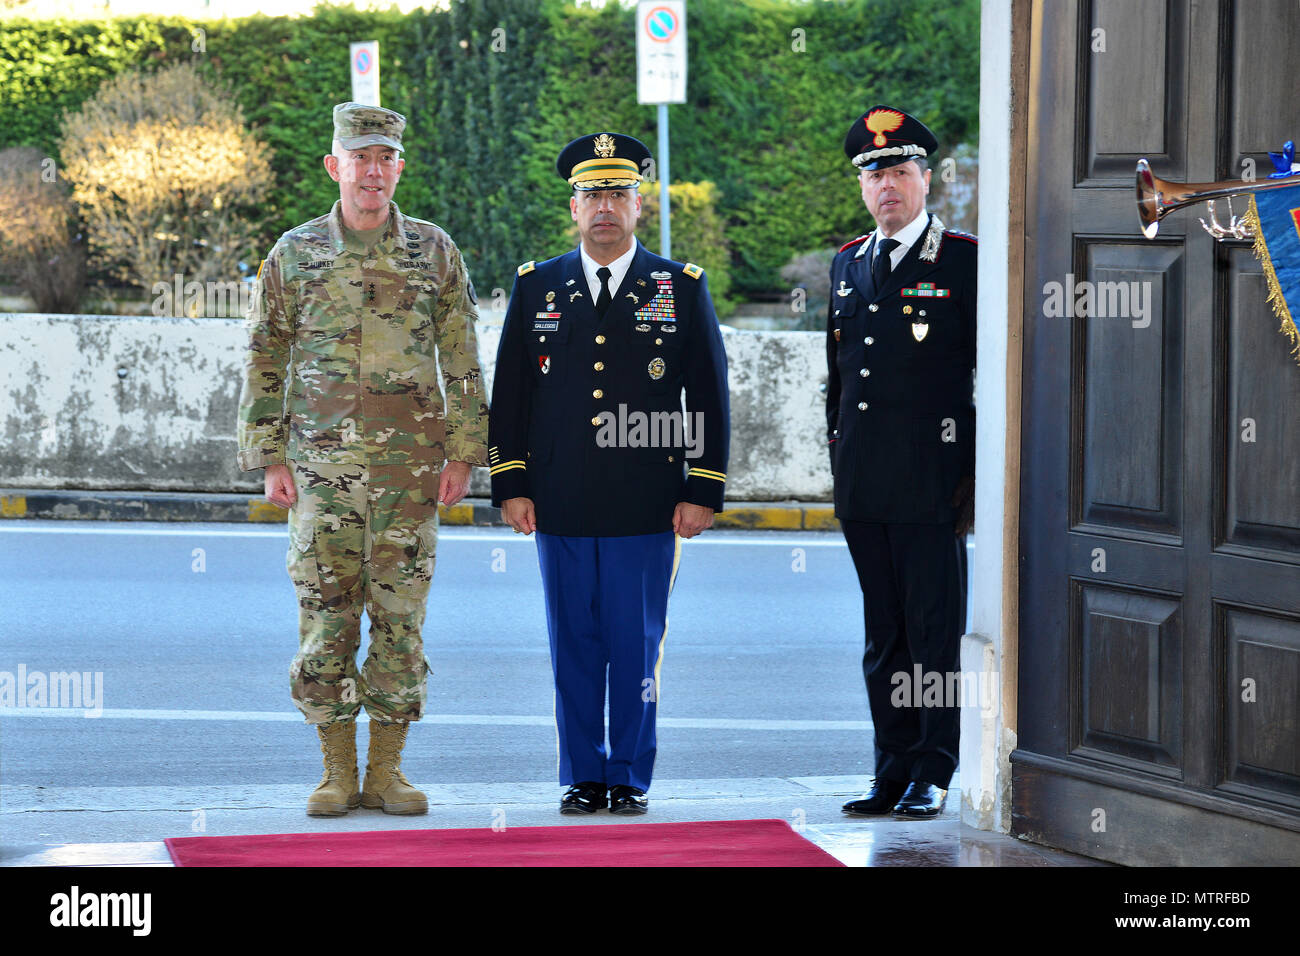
(355, 314)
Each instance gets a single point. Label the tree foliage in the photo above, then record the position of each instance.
(492, 90)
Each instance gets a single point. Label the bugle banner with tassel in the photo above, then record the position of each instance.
(1272, 221)
(1274, 217)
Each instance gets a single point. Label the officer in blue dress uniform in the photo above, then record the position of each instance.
(589, 447)
(900, 418)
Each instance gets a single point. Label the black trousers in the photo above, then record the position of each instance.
(913, 579)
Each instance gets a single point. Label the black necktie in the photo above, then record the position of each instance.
(602, 303)
(881, 268)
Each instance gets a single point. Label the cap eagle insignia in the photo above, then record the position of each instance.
(605, 145)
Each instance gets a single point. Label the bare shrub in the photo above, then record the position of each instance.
(39, 246)
(167, 178)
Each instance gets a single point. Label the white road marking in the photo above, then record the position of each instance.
(191, 531)
(725, 537)
(475, 720)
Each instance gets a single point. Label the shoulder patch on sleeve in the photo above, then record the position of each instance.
(692, 270)
(526, 268)
(958, 234)
(853, 242)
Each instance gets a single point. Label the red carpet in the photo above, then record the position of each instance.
(711, 843)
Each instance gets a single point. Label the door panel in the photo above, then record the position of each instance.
(1265, 110)
(1129, 659)
(1131, 372)
(1262, 759)
(1160, 450)
(1129, 47)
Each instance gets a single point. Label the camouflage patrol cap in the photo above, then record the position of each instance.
(357, 125)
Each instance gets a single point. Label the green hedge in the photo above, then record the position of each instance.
(764, 122)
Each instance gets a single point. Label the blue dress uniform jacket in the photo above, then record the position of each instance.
(900, 415)
(570, 390)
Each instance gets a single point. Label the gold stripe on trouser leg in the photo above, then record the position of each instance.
(555, 722)
(672, 580)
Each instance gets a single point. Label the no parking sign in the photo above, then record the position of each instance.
(661, 51)
(365, 72)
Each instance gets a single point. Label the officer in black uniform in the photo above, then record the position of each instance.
(588, 446)
(900, 418)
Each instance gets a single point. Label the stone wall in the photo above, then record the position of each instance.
(144, 403)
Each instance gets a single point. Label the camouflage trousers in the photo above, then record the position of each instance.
(361, 536)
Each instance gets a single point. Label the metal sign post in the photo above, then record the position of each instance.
(665, 221)
(661, 79)
(365, 72)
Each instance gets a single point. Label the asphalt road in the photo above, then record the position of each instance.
(193, 626)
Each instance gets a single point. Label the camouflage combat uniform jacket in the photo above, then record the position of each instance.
(361, 336)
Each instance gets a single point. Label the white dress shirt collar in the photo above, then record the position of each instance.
(617, 270)
(906, 238)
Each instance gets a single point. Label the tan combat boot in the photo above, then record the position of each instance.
(337, 792)
(386, 788)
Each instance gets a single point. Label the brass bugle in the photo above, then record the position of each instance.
(1157, 198)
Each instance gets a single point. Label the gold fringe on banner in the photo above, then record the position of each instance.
(1275, 297)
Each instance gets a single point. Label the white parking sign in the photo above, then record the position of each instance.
(661, 51)
(365, 72)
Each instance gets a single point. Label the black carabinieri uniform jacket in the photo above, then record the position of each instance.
(586, 415)
(900, 414)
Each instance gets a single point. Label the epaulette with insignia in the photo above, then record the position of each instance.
(526, 268)
(692, 270)
(958, 234)
(854, 242)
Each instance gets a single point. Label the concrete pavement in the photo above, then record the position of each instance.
(191, 627)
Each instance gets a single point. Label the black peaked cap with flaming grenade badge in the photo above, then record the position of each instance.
(883, 137)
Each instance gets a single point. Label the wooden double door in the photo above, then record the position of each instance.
(1159, 638)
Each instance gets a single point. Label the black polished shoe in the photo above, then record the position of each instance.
(625, 799)
(921, 800)
(585, 797)
(881, 798)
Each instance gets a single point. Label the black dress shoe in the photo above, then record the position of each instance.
(921, 800)
(625, 799)
(881, 798)
(585, 797)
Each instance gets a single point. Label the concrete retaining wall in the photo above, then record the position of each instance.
(111, 402)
